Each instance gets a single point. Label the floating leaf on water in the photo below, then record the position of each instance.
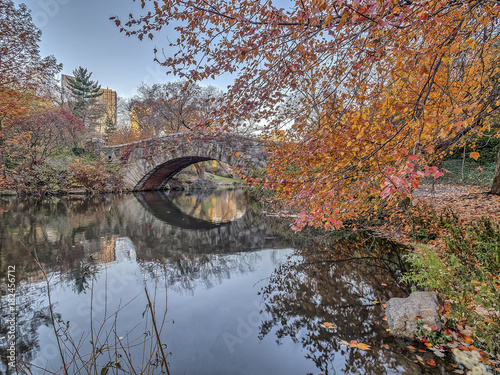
(344, 343)
(364, 346)
(385, 346)
(411, 347)
(431, 362)
(328, 325)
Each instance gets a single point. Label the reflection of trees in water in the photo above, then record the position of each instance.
(335, 283)
(32, 313)
(186, 272)
(60, 231)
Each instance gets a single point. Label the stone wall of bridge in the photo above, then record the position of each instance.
(150, 163)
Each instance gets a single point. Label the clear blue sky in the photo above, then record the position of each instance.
(79, 33)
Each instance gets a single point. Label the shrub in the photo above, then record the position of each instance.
(39, 178)
(465, 273)
(92, 177)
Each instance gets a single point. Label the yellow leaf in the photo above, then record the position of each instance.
(474, 155)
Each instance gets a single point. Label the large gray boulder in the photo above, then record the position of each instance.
(402, 313)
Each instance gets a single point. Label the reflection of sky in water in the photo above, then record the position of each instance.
(210, 330)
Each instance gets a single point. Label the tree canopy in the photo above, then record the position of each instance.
(172, 107)
(369, 93)
(24, 74)
(83, 90)
(20, 61)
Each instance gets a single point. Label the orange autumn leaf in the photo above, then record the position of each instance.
(474, 155)
(364, 346)
(468, 340)
(328, 325)
(431, 362)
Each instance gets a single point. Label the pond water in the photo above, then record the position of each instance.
(202, 280)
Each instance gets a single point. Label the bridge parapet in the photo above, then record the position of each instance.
(150, 163)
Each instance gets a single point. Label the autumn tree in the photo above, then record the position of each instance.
(24, 74)
(370, 93)
(35, 138)
(172, 107)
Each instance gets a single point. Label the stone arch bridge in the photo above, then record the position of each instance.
(150, 163)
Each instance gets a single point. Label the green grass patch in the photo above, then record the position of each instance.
(226, 180)
(470, 173)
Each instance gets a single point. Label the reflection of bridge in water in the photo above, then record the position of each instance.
(158, 228)
(171, 211)
(72, 229)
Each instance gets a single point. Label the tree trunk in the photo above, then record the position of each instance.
(495, 187)
(200, 169)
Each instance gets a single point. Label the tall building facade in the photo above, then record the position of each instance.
(109, 99)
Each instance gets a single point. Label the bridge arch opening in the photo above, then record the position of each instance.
(159, 176)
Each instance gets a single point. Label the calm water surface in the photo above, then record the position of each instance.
(230, 290)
